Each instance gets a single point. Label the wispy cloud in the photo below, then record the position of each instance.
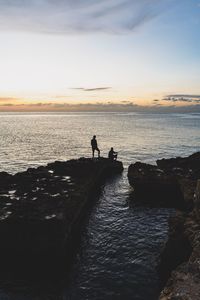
(68, 16)
(183, 98)
(93, 89)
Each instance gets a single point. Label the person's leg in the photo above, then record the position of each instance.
(92, 153)
(98, 152)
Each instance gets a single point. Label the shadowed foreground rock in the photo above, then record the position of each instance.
(172, 183)
(182, 255)
(169, 184)
(41, 210)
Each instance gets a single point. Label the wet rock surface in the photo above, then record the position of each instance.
(41, 210)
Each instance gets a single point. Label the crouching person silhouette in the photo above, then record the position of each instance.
(112, 155)
(94, 146)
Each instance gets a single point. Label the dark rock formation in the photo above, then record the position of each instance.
(41, 210)
(171, 183)
(177, 249)
(185, 166)
(153, 187)
(181, 255)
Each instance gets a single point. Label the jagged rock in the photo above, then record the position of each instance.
(172, 183)
(169, 184)
(177, 249)
(153, 187)
(41, 210)
(5, 179)
(183, 284)
(197, 201)
(184, 281)
(187, 166)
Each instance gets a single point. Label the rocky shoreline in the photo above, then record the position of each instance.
(181, 255)
(41, 210)
(174, 183)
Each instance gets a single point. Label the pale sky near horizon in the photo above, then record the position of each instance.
(91, 51)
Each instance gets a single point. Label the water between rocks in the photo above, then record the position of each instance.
(117, 256)
(120, 248)
(120, 243)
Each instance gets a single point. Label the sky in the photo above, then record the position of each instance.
(100, 55)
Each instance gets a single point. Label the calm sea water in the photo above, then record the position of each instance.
(120, 243)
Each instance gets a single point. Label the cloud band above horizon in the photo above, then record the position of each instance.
(68, 16)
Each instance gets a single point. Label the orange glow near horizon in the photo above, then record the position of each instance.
(81, 69)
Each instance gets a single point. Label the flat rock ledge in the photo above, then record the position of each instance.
(180, 259)
(41, 211)
(170, 183)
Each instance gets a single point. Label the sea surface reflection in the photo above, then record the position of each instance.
(120, 243)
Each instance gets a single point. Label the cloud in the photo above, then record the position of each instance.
(100, 107)
(69, 16)
(7, 104)
(92, 89)
(183, 98)
(8, 99)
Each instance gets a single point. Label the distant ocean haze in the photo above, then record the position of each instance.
(32, 139)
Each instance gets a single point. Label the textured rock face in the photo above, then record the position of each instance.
(41, 210)
(169, 184)
(186, 166)
(184, 282)
(172, 183)
(153, 187)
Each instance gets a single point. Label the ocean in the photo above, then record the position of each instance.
(32, 139)
(120, 243)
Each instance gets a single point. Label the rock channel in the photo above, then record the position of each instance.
(41, 211)
(174, 183)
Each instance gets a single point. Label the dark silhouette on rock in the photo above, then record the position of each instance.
(41, 212)
(112, 155)
(94, 146)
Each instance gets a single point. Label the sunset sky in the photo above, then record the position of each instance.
(57, 54)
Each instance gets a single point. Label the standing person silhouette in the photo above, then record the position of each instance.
(94, 146)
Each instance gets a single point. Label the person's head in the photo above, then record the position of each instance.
(111, 148)
(94, 136)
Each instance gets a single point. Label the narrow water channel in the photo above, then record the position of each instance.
(119, 249)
